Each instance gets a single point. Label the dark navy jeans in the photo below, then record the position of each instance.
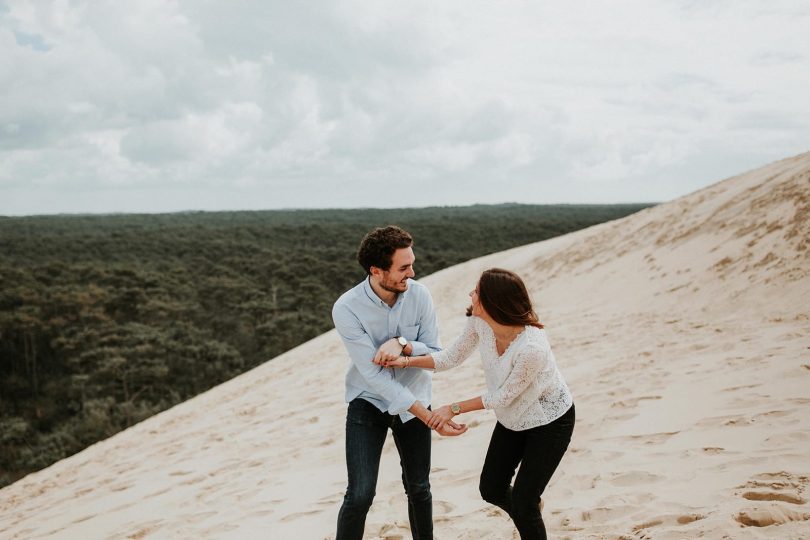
(538, 451)
(366, 429)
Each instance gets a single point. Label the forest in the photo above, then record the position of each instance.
(106, 320)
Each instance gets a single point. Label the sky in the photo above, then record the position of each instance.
(161, 106)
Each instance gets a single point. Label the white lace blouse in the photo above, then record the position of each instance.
(524, 387)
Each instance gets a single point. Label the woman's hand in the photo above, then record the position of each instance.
(439, 417)
(399, 362)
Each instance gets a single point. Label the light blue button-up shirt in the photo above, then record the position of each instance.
(365, 322)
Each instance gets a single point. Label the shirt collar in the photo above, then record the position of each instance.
(376, 299)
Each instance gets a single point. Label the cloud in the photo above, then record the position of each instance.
(313, 104)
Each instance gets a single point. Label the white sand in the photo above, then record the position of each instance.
(683, 331)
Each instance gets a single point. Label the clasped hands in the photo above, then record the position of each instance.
(442, 421)
(389, 351)
(389, 355)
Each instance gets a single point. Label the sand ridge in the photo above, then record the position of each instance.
(683, 332)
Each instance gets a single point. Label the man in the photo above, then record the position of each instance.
(385, 316)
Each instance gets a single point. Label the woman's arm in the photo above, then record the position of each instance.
(444, 414)
(442, 427)
(460, 350)
(425, 362)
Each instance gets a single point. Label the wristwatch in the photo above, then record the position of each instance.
(455, 408)
(402, 341)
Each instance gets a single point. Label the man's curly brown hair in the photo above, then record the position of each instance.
(377, 247)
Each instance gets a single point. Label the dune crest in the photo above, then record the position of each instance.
(683, 332)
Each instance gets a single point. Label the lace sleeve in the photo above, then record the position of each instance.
(460, 350)
(530, 361)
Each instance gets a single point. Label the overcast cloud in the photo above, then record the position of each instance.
(155, 106)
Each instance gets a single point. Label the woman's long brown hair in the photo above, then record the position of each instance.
(504, 297)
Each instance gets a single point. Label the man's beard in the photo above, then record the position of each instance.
(386, 287)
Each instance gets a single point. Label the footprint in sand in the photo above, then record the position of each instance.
(455, 479)
(220, 529)
(442, 507)
(772, 496)
(145, 529)
(195, 480)
(711, 450)
(297, 515)
(778, 487)
(643, 533)
(260, 513)
(649, 438)
(604, 514)
(765, 517)
(394, 532)
(778, 480)
(247, 495)
(198, 516)
(330, 500)
(158, 492)
(634, 478)
(669, 519)
(689, 518)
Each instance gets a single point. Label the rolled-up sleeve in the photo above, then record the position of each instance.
(361, 352)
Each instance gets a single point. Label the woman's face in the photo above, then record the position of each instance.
(477, 310)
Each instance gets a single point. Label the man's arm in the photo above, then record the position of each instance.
(361, 352)
(426, 341)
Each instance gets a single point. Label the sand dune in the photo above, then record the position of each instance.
(683, 331)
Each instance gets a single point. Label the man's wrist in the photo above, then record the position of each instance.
(403, 343)
(420, 411)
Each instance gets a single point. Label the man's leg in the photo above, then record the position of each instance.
(366, 428)
(413, 443)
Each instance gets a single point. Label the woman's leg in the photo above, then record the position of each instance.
(542, 452)
(504, 454)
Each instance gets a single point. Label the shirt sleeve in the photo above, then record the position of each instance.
(530, 361)
(361, 352)
(460, 350)
(427, 341)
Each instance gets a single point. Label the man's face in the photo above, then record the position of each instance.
(395, 279)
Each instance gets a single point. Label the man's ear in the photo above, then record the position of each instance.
(374, 271)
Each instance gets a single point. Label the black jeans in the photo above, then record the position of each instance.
(538, 451)
(366, 429)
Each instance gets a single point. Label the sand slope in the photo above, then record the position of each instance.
(683, 331)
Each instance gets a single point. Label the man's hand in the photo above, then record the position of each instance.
(390, 350)
(398, 362)
(447, 428)
(451, 429)
(440, 417)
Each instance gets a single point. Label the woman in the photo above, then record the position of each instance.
(531, 401)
